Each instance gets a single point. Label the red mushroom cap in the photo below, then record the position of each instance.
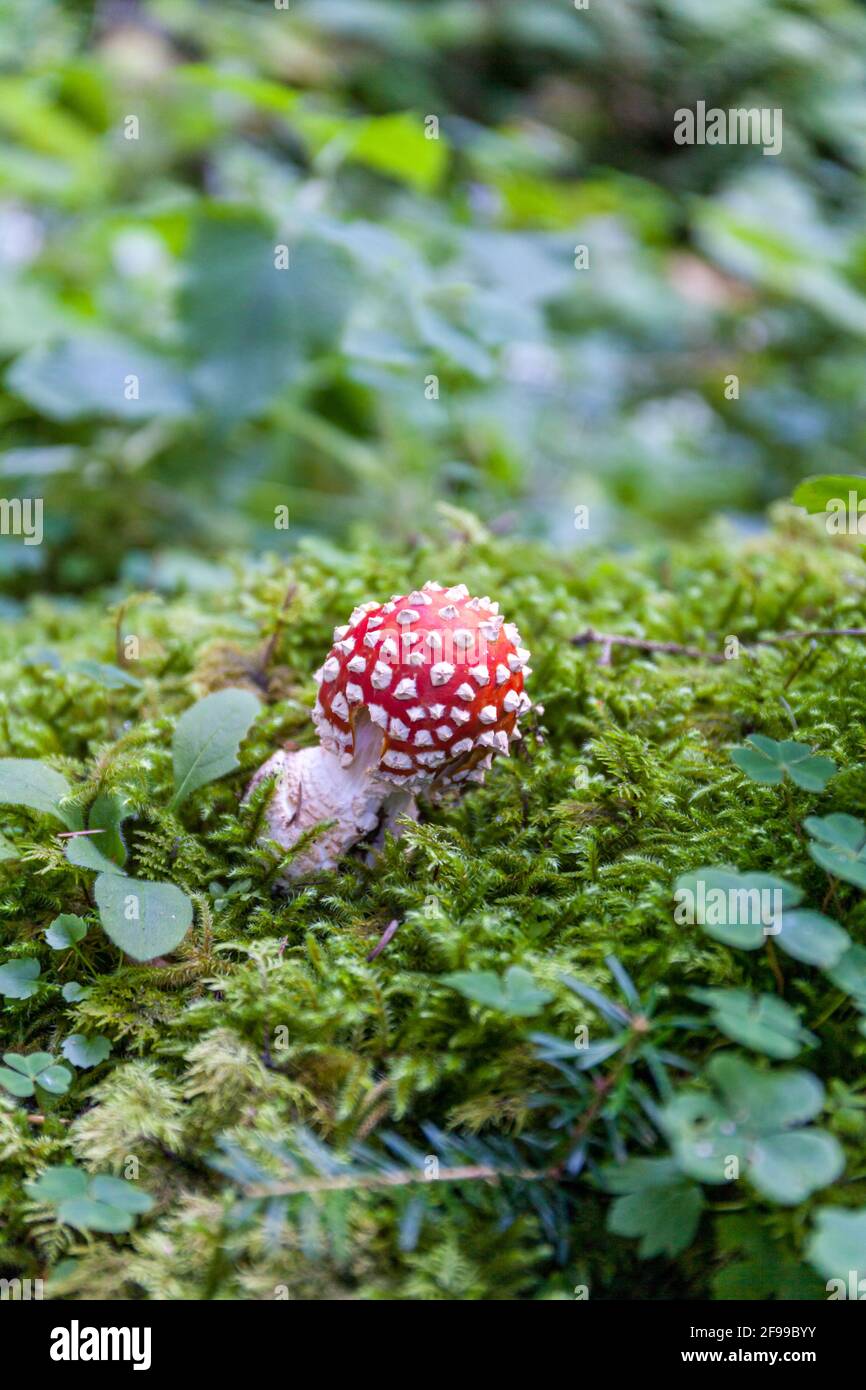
(439, 672)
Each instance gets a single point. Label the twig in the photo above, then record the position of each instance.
(608, 640)
(383, 940)
(402, 1178)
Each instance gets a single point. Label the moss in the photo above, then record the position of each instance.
(271, 1020)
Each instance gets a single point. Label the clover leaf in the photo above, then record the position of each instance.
(28, 1070)
(767, 761)
(839, 846)
(759, 1021)
(101, 1203)
(837, 1245)
(516, 993)
(737, 909)
(753, 1123)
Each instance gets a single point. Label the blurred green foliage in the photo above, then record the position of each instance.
(411, 258)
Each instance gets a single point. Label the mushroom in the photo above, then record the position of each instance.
(419, 692)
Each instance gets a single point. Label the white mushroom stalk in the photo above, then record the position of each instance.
(419, 692)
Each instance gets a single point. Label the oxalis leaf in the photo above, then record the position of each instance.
(839, 846)
(750, 1128)
(738, 909)
(516, 993)
(145, 919)
(767, 761)
(28, 782)
(207, 738)
(760, 1021)
(837, 1245)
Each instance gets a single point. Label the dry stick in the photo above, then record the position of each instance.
(402, 1178)
(608, 640)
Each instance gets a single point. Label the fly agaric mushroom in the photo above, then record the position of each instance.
(417, 692)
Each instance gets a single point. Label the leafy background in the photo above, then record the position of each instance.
(250, 1118)
(411, 257)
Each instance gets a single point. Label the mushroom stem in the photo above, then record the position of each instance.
(312, 787)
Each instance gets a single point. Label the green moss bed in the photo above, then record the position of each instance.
(295, 1119)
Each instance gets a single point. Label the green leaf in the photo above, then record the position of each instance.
(746, 1127)
(849, 974)
(28, 782)
(761, 1267)
(85, 1051)
(731, 907)
(8, 850)
(516, 994)
(87, 1215)
(840, 847)
(665, 1218)
(767, 761)
(73, 378)
(56, 1080)
(57, 1183)
(838, 1243)
(107, 814)
(85, 854)
(15, 1083)
(207, 738)
(18, 978)
(396, 145)
(121, 1193)
(759, 1021)
(250, 325)
(64, 931)
(28, 1063)
(73, 992)
(143, 918)
(816, 493)
(813, 938)
(788, 1168)
(104, 673)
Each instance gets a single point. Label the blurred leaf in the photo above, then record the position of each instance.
(99, 376)
(28, 782)
(841, 846)
(397, 145)
(250, 326)
(838, 1243)
(515, 993)
(811, 937)
(759, 1021)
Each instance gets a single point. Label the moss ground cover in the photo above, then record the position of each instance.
(282, 1097)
